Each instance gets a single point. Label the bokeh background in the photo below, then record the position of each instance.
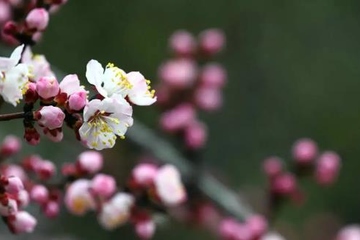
(293, 70)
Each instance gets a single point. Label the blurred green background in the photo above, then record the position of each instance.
(293, 70)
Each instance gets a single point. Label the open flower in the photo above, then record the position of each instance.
(104, 120)
(140, 93)
(109, 82)
(13, 77)
(40, 67)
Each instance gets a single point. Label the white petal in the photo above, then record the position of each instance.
(94, 72)
(16, 54)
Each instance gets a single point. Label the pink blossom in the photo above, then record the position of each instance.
(90, 161)
(23, 198)
(304, 151)
(9, 207)
(178, 118)
(180, 73)
(103, 185)
(38, 19)
(5, 12)
(229, 229)
(144, 173)
(10, 145)
(208, 98)
(284, 184)
(39, 194)
(75, 94)
(14, 170)
(23, 222)
(140, 93)
(77, 101)
(350, 232)
(45, 169)
(212, 41)
(40, 67)
(169, 187)
(273, 166)
(14, 186)
(182, 43)
(195, 135)
(213, 75)
(51, 209)
(257, 224)
(50, 117)
(47, 87)
(327, 167)
(55, 135)
(78, 199)
(145, 229)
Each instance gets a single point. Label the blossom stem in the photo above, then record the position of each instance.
(11, 116)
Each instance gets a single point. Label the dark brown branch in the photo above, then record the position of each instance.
(11, 116)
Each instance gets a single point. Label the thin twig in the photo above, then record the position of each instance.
(11, 116)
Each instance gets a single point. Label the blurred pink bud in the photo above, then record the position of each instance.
(23, 198)
(78, 199)
(273, 166)
(327, 168)
(145, 229)
(45, 169)
(51, 209)
(284, 184)
(78, 100)
(10, 146)
(103, 185)
(229, 229)
(14, 170)
(5, 12)
(180, 73)
(8, 208)
(90, 161)
(195, 135)
(208, 98)
(213, 75)
(212, 41)
(182, 43)
(178, 118)
(22, 222)
(38, 19)
(10, 28)
(47, 87)
(350, 232)
(50, 117)
(272, 236)
(258, 225)
(169, 187)
(14, 186)
(304, 151)
(39, 194)
(32, 136)
(31, 95)
(144, 173)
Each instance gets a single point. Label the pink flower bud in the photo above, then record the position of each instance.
(351, 232)
(144, 173)
(284, 184)
(195, 135)
(39, 194)
(11, 145)
(212, 41)
(50, 117)
(55, 135)
(8, 208)
(23, 198)
(23, 222)
(38, 19)
(258, 225)
(5, 12)
(103, 185)
(213, 75)
(327, 168)
(90, 161)
(14, 170)
(9, 28)
(229, 229)
(178, 118)
(14, 186)
(45, 170)
(51, 209)
(273, 166)
(208, 98)
(77, 101)
(31, 95)
(47, 87)
(145, 229)
(304, 151)
(178, 73)
(182, 43)
(169, 187)
(32, 136)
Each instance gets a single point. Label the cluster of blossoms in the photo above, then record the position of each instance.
(32, 18)
(149, 190)
(186, 86)
(96, 122)
(308, 160)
